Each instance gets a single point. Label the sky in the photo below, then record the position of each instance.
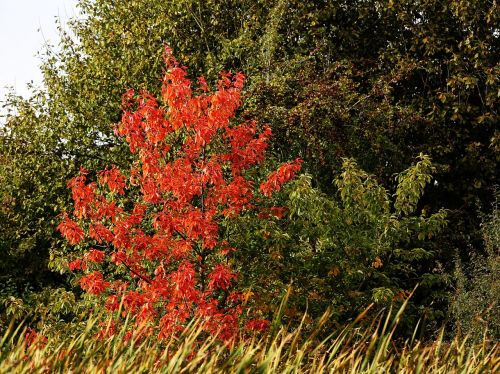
(25, 26)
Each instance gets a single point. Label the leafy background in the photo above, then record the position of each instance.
(376, 81)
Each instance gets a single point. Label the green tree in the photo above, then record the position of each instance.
(344, 252)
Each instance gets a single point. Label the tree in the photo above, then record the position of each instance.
(342, 253)
(69, 123)
(31, 163)
(156, 235)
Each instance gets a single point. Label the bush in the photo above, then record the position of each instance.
(343, 253)
(476, 305)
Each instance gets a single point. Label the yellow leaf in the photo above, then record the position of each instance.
(247, 295)
(334, 271)
(377, 263)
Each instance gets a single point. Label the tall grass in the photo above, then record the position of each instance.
(373, 349)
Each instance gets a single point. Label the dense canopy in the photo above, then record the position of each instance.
(393, 106)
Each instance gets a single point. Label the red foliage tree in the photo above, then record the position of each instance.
(160, 222)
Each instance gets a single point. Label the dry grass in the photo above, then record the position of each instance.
(352, 350)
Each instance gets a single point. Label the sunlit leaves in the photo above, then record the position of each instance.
(161, 223)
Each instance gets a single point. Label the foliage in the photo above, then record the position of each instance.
(69, 124)
(381, 81)
(350, 350)
(375, 80)
(156, 235)
(476, 302)
(49, 309)
(31, 158)
(344, 253)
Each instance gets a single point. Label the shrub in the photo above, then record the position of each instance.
(476, 303)
(343, 253)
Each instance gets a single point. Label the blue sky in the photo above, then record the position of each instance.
(25, 26)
